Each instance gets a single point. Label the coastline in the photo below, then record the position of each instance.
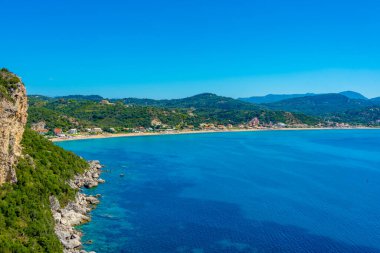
(104, 136)
(76, 212)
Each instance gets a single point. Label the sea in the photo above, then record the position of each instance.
(257, 192)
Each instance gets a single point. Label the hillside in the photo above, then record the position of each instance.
(131, 112)
(26, 222)
(376, 101)
(73, 113)
(271, 98)
(201, 101)
(333, 107)
(368, 115)
(353, 95)
(31, 170)
(319, 104)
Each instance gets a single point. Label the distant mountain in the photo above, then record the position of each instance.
(271, 98)
(201, 101)
(353, 95)
(376, 100)
(95, 98)
(320, 105)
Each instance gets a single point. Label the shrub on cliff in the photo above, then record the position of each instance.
(8, 83)
(26, 223)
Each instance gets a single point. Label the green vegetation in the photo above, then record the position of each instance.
(333, 107)
(26, 222)
(368, 115)
(87, 111)
(8, 82)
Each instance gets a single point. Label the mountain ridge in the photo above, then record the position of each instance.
(271, 98)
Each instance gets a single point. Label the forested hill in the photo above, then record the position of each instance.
(334, 107)
(273, 98)
(201, 101)
(320, 104)
(91, 111)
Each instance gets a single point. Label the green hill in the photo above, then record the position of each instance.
(333, 107)
(201, 101)
(271, 98)
(319, 105)
(369, 115)
(26, 222)
(353, 95)
(131, 112)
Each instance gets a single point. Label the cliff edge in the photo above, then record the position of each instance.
(13, 117)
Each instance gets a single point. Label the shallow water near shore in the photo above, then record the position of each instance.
(277, 191)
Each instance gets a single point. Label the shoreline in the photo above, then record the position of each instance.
(105, 136)
(76, 212)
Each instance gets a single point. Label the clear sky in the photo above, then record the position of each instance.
(178, 48)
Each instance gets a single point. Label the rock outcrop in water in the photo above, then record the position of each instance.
(76, 212)
(13, 116)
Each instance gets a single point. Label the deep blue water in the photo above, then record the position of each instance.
(277, 191)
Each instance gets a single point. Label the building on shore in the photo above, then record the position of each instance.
(255, 122)
(57, 131)
(280, 125)
(96, 130)
(73, 131)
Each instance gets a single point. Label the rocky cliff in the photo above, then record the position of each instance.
(13, 116)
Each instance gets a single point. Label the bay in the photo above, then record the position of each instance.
(270, 191)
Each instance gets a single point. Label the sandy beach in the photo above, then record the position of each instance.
(107, 135)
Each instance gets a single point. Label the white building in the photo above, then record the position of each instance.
(97, 130)
(72, 131)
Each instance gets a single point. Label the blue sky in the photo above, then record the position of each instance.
(177, 48)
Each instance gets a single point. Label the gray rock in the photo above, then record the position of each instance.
(54, 203)
(75, 212)
(92, 200)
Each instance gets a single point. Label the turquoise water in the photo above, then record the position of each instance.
(277, 191)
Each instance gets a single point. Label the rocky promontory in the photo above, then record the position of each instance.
(77, 211)
(13, 116)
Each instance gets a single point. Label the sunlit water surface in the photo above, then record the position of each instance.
(277, 191)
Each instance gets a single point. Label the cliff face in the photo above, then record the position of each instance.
(13, 116)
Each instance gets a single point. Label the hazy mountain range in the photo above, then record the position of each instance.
(271, 98)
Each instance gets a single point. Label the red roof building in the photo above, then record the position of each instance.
(57, 131)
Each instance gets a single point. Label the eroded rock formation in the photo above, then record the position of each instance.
(13, 116)
(77, 211)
